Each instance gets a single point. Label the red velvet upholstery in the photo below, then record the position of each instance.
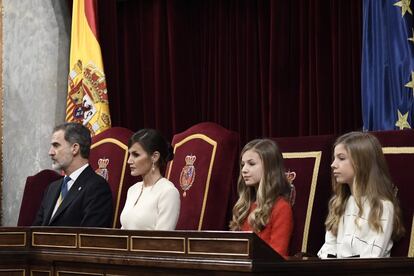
(207, 204)
(32, 195)
(398, 147)
(111, 146)
(310, 158)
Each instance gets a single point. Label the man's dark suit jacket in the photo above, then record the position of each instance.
(88, 203)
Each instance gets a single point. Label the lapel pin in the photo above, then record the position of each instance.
(79, 188)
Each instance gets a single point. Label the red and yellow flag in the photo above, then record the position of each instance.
(87, 100)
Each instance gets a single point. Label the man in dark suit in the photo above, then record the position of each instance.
(81, 198)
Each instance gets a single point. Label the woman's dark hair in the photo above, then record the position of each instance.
(152, 140)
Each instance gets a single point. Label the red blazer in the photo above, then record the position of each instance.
(278, 230)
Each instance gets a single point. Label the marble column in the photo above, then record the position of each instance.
(36, 37)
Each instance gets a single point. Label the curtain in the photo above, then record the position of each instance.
(261, 68)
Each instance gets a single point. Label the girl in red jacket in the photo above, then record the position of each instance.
(263, 205)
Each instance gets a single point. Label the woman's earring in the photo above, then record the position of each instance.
(153, 167)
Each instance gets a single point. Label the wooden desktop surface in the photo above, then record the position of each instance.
(92, 251)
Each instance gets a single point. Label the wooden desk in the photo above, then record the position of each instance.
(91, 251)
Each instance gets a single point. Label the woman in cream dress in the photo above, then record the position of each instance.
(154, 202)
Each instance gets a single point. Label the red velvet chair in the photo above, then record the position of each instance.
(204, 170)
(309, 157)
(398, 147)
(32, 195)
(108, 157)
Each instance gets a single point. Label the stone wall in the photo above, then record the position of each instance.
(36, 35)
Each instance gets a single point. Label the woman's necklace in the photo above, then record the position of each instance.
(140, 193)
(142, 189)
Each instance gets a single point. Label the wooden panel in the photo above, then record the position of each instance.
(158, 244)
(170, 253)
(54, 240)
(218, 246)
(36, 272)
(73, 273)
(12, 272)
(10, 239)
(103, 242)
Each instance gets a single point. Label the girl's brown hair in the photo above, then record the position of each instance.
(272, 185)
(372, 181)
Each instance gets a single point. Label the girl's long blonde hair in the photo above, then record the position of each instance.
(372, 181)
(272, 185)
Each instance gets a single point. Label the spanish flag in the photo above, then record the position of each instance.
(87, 100)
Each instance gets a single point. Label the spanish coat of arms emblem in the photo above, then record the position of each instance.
(102, 170)
(188, 174)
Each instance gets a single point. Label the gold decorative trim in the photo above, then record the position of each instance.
(403, 150)
(13, 270)
(398, 150)
(121, 182)
(411, 247)
(54, 234)
(157, 238)
(103, 236)
(13, 233)
(213, 155)
(218, 253)
(308, 154)
(40, 271)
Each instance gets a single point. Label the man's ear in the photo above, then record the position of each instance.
(75, 149)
